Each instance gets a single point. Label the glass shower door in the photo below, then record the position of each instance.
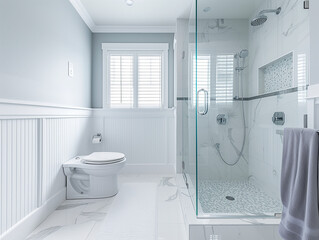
(189, 118)
(241, 81)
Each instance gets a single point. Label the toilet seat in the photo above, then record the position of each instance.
(102, 158)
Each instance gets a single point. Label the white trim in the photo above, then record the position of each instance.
(313, 91)
(135, 81)
(134, 113)
(311, 113)
(134, 29)
(27, 109)
(148, 169)
(77, 4)
(165, 79)
(135, 46)
(105, 82)
(24, 227)
(38, 104)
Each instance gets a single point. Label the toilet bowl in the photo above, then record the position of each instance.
(93, 176)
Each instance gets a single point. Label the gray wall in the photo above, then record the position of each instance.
(99, 38)
(37, 39)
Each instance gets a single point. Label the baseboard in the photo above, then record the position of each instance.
(24, 227)
(148, 169)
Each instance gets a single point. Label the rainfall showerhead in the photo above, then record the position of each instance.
(262, 18)
(259, 20)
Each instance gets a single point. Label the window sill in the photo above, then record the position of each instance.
(136, 112)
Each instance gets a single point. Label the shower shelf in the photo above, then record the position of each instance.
(276, 75)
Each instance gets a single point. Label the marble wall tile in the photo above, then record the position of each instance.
(265, 145)
(278, 36)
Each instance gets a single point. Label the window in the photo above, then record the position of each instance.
(203, 76)
(209, 66)
(150, 81)
(121, 80)
(135, 75)
(224, 78)
(302, 77)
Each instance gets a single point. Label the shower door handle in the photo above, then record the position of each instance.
(205, 111)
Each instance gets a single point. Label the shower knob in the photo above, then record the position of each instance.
(221, 119)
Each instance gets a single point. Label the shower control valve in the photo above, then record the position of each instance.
(221, 119)
(278, 118)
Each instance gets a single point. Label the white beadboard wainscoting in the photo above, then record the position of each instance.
(35, 141)
(63, 138)
(146, 136)
(19, 170)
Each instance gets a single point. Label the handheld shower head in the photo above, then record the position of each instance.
(244, 53)
(241, 63)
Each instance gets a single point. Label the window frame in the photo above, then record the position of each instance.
(135, 49)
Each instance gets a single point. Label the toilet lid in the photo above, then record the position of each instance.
(103, 158)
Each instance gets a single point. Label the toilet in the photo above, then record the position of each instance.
(94, 175)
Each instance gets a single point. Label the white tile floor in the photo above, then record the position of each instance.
(81, 219)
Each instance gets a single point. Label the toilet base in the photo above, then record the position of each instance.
(83, 186)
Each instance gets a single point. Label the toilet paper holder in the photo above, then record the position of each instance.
(97, 138)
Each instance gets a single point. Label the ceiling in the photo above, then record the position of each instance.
(236, 9)
(155, 14)
(142, 13)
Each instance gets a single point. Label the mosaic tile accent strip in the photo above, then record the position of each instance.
(278, 75)
(248, 199)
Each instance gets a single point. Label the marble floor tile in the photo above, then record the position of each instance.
(170, 212)
(83, 219)
(68, 232)
(171, 232)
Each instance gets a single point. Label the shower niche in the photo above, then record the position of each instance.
(276, 75)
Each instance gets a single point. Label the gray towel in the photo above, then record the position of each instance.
(299, 185)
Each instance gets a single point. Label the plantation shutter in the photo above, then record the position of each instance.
(149, 81)
(121, 70)
(224, 78)
(203, 76)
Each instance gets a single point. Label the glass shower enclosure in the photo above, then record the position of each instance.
(246, 72)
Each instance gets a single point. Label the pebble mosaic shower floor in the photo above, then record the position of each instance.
(245, 198)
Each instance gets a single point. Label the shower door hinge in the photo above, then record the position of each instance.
(306, 4)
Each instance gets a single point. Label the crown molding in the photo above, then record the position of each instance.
(77, 4)
(134, 29)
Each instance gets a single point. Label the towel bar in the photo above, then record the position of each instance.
(281, 132)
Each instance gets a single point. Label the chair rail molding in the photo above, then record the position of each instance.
(14, 109)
